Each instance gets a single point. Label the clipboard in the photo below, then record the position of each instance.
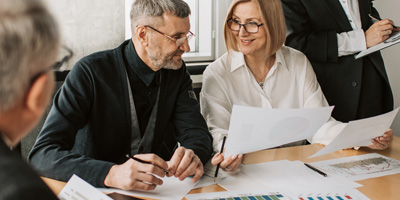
(392, 40)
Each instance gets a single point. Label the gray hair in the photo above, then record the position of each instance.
(29, 42)
(144, 11)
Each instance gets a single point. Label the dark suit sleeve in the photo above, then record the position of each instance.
(53, 153)
(318, 45)
(192, 131)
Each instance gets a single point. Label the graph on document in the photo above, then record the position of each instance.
(361, 167)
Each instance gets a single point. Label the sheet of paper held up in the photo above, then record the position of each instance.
(253, 129)
(359, 133)
(172, 189)
(78, 189)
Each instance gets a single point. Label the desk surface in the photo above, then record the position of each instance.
(386, 187)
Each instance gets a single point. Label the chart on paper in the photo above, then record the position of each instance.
(361, 167)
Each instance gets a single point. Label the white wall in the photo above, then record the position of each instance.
(390, 9)
(89, 26)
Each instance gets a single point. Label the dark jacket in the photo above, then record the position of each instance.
(358, 88)
(88, 128)
(18, 181)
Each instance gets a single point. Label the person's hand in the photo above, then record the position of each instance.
(229, 164)
(382, 142)
(133, 175)
(378, 32)
(185, 163)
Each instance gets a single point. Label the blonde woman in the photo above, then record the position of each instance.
(259, 71)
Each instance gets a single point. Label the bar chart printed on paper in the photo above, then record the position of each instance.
(367, 166)
(361, 167)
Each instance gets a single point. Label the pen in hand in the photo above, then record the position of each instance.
(379, 19)
(142, 161)
(316, 170)
(222, 149)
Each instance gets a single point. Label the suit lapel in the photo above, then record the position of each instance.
(337, 11)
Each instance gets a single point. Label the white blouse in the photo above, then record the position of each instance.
(290, 83)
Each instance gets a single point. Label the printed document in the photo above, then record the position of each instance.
(78, 189)
(253, 129)
(360, 167)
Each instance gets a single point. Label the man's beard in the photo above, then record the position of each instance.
(166, 61)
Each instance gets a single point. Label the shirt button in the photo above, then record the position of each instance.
(350, 21)
(149, 93)
(354, 84)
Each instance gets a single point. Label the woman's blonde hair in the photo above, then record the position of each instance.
(274, 24)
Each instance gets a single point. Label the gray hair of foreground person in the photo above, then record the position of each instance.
(29, 43)
(145, 11)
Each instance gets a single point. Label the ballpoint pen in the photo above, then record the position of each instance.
(222, 149)
(378, 19)
(316, 170)
(142, 161)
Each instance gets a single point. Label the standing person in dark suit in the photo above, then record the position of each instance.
(135, 100)
(29, 43)
(330, 33)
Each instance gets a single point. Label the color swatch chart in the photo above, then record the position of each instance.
(234, 195)
(258, 197)
(342, 195)
(347, 197)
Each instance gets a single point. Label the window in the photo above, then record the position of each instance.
(202, 47)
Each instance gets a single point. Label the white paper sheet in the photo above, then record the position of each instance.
(295, 175)
(360, 167)
(241, 181)
(252, 129)
(78, 189)
(359, 133)
(172, 188)
(208, 177)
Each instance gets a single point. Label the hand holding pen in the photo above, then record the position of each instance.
(135, 174)
(379, 31)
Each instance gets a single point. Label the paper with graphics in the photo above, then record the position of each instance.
(359, 133)
(360, 167)
(253, 129)
(78, 189)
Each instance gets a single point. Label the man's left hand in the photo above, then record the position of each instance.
(185, 163)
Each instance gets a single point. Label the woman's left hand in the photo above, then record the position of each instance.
(382, 142)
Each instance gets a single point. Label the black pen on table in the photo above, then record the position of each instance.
(142, 161)
(316, 170)
(378, 19)
(222, 149)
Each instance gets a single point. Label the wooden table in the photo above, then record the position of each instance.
(386, 187)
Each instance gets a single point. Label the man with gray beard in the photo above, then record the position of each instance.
(118, 118)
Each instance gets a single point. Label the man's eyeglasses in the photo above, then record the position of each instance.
(58, 66)
(250, 27)
(179, 41)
